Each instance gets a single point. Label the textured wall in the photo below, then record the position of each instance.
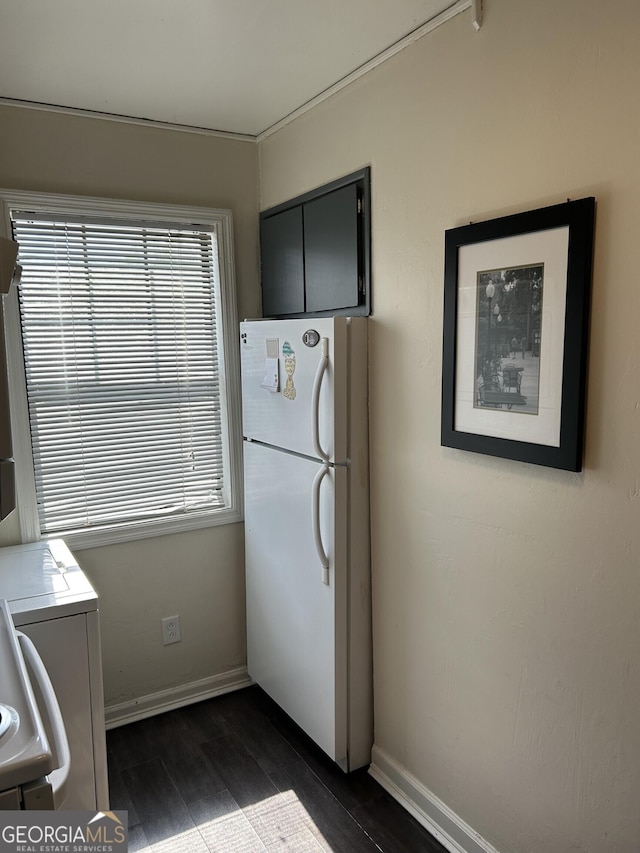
(506, 624)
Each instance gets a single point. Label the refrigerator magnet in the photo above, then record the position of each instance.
(290, 366)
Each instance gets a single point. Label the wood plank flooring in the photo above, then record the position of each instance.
(234, 774)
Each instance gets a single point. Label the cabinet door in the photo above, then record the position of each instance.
(282, 263)
(331, 250)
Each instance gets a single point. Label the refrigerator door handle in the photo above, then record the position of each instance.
(315, 399)
(317, 534)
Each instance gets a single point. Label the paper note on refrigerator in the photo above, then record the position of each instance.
(273, 347)
(270, 381)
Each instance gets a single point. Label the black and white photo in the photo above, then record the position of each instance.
(508, 338)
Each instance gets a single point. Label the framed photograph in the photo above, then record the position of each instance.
(516, 320)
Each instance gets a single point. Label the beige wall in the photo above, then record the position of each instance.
(199, 575)
(506, 620)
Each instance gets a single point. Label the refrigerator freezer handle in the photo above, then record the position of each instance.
(315, 399)
(317, 534)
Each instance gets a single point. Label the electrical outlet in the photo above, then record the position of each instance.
(171, 630)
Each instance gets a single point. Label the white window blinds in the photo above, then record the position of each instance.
(121, 339)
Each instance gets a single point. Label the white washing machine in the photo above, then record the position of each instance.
(52, 602)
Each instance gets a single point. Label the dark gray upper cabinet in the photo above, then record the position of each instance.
(331, 250)
(282, 263)
(315, 251)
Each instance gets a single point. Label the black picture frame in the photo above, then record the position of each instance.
(538, 264)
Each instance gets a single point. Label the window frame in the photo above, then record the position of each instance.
(220, 221)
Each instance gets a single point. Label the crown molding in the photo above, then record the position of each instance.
(142, 122)
(418, 33)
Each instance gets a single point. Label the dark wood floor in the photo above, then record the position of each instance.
(235, 775)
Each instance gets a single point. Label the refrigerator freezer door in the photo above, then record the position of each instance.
(284, 416)
(297, 623)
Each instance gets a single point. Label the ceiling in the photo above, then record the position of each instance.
(237, 66)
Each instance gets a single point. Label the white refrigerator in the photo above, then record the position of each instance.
(306, 480)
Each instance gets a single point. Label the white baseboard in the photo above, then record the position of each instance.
(175, 697)
(449, 829)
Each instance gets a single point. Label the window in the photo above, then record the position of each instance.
(127, 331)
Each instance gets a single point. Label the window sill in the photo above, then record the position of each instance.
(79, 541)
